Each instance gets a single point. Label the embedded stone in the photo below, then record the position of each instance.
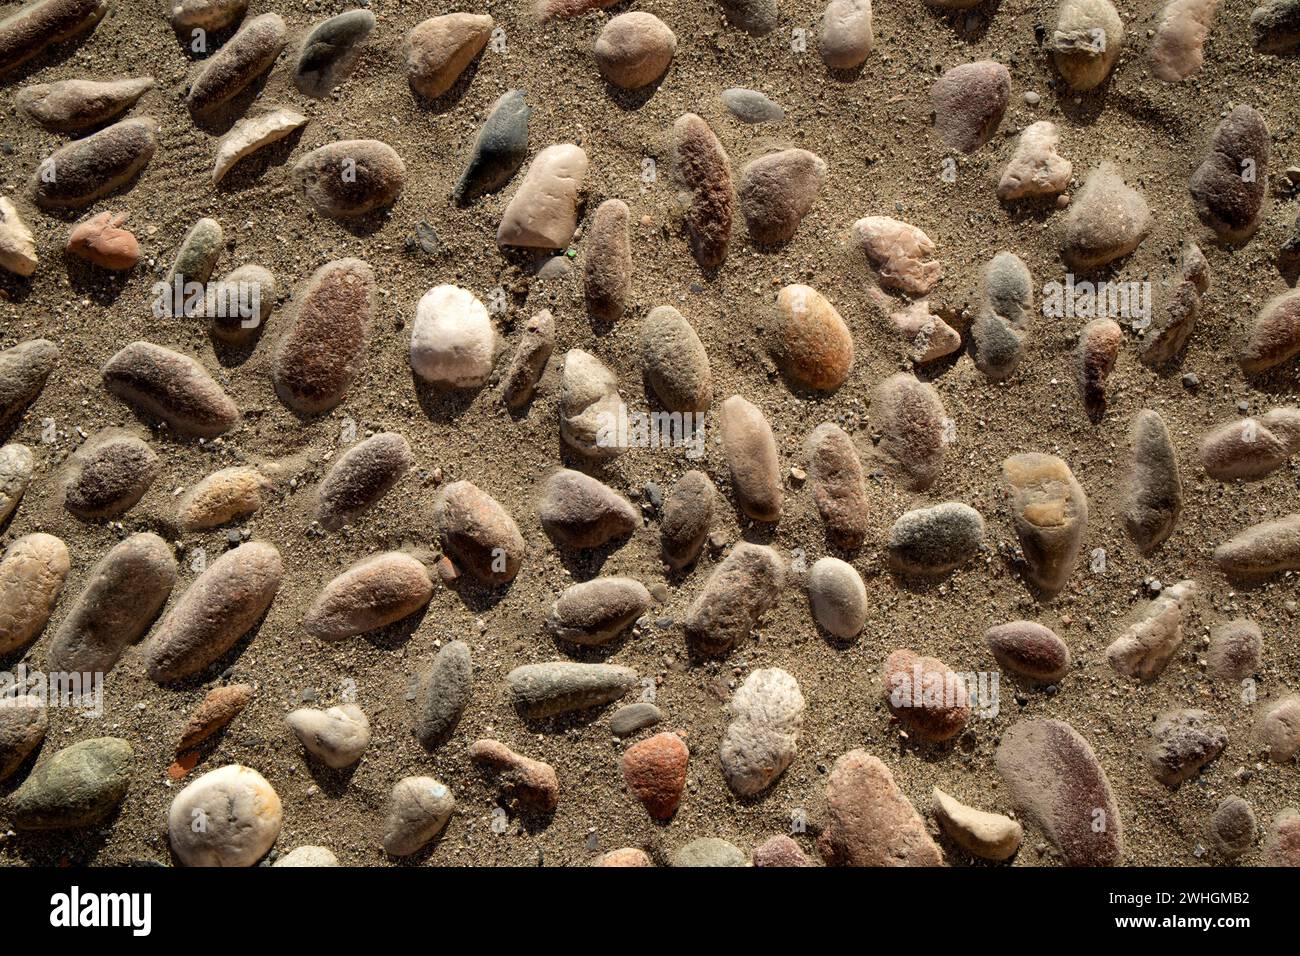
(337, 737)
(453, 343)
(1030, 649)
(872, 823)
(968, 102)
(32, 572)
(108, 475)
(597, 611)
(737, 594)
(239, 62)
(910, 416)
(1050, 513)
(171, 387)
(439, 49)
(544, 212)
(361, 477)
(69, 106)
(351, 177)
(687, 517)
(701, 166)
(577, 511)
(77, 174)
(763, 736)
(750, 449)
(372, 593)
(777, 190)
(1144, 649)
(838, 486)
(1153, 493)
(811, 343)
(560, 687)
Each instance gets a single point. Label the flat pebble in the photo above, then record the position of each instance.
(24, 370)
(989, 836)
(1182, 742)
(762, 739)
(837, 596)
(351, 177)
(838, 485)
(750, 450)
(171, 387)
(499, 150)
(926, 695)
(79, 786)
(1050, 513)
(1229, 185)
(479, 533)
(1261, 549)
(811, 343)
(543, 213)
(69, 106)
(607, 266)
(708, 851)
(871, 821)
(654, 770)
(250, 135)
(445, 695)
(1029, 648)
(439, 49)
(23, 724)
(243, 58)
(372, 593)
(1274, 336)
(32, 572)
(755, 17)
(418, 810)
(228, 817)
(453, 343)
(577, 511)
(597, 611)
(634, 49)
(751, 106)
(108, 474)
(210, 15)
(360, 477)
(559, 687)
(337, 737)
(330, 51)
(737, 594)
(1106, 221)
(1153, 492)
(630, 718)
(77, 174)
(777, 190)
(308, 856)
(102, 240)
(701, 166)
(968, 103)
(529, 782)
(910, 417)
(218, 708)
(900, 254)
(687, 517)
(935, 540)
(27, 31)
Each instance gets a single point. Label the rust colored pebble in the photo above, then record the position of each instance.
(529, 781)
(702, 166)
(217, 709)
(1030, 649)
(781, 851)
(102, 240)
(655, 771)
(926, 695)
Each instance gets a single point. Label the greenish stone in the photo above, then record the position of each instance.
(79, 786)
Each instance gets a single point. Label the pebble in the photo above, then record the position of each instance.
(654, 770)
(1145, 647)
(597, 611)
(675, 362)
(1226, 199)
(763, 736)
(108, 474)
(196, 259)
(1094, 359)
(1056, 781)
(702, 167)
(750, 449)
(780, 851)
(607, 267)
(237, 327)
(708, 851)
(1277, 728)
(121, 597)
(1275, 26)
(630, 718)
(351, 177)
(1153, 495)
(577, 511)
(418, 810)
(1030, 649)
(1275, 335)
(1244, 449)
(845, 39)
(544, 211)
(999, 328)
(1182, 742)
(1234, 650)
(24, 369)
(102, 240)
(241, 60)
(79, 786)
(1036, 168)
(453, 343)
(439, 49)
(372, 593)
(26, 32)
(527, 781)
(838, 597)
(228, 817)
(499, 150)
(330, 51)
(590, 406)
(1261, 549)
(218, 708)
(1087, 41)
(249, 135)
(1165, 342)
(32, 572)
(838, 486)
(70, 106)
(1282, 845)
(627, 856)
(687, 515)
(935, 540)
(634, 49)
(929, 336)
(1233, 828)
(968, 103)
(171, 387)
(1177, 49)
(209, 15)
(811, 343)
(776, 192)
(319, 357)
(23, 724)
(77, 174)
(1107, 220)
(532, 353)
(925, 694)
(910, 417)
(218, 609)
(871, 821)
(751, 106)
(17, 244)
(900, 254)
(361, 477)
(737, 594)
(444, 695)
(478, 533)
(222, 497)
(337, 737)
(988, 836)
(16, 463)
(308, 856)
(559, 687)
(1050, 514)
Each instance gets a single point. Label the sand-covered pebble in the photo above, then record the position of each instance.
(929, 336)
(453, 343)
(1243, 449)
(560, 687)
(523, 780)
(361, 477)
(707, 852)
(675, 362)
(439, 49)
(330, 51)
(1167, 337)
(607, 268)
(1049, 511)
(780, 851)
(737, 594)
(1182, 742)
(544, 211)
(1234, 650)
(654, 770)
(222, 497)
(479, 533)
(763, 736)
(935, 540)
(687, 517)
(444, 695)
(630, 718)
(1001, 325)
(1145, 647)
(498, 151)
(751, 106)
(372, 593)
(777, 190)
(1086, 41)
(79, 786)
(577, 511)
(27, 31)
(351, 177)
(750, 450)
(837, 596)
(108, 474)
(597, 611)
(1094, 359)
(69, 106)
(1275, 26)
(1177, 50)
(532, 352)
(1262, 549)
(1106, 221)
(838, 486)
(1232, 828)
(811, 342)
(171, 387)
(910, 418)
(16, 463)
(871, 821)
(926, 695)
(239, 62)
(1153, 491)
(702, 168)
(1277, 728)
(1229, 185)
(900, 254)
(968, 102)
(755, 17)
(86, 169)
(337, 737)
(229, 816)
(989, 836)
(209, 15)
(1028, 648)
(32, 571)
(634, 49)
(308, 856)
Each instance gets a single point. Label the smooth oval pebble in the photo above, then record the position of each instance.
(351, 177)
(69, 106)
(750, 449)
(172, 387)
(837, 596)
(577, 511)
(372, 593)
(1050, 513)
(559, 687)
(523, 781)
(16, 463)
(499, 150)
(1106, 221)
(654, 770)
(209, 15)
(478, 533)
(634, 49)
(544, 211)
(687, 517)
(708, 852)
(989, 836)
(910, 416)
(597, 611)
(812, 344)
(935, 540)
(250, 135)
(926, 695)
(1242, 449)
(418, 809)
(630, 718)
(1030, 649)
(222, 497)
(1153, 493)
(1262, 549)
(439, 49)
(118, 601)
(453, 343)
(27, 31)
(675, 361)
(751, 106)
(23, 725)
(240, 61)
(218, 609)
(1229, 185)
(1233, 829)
(777, 190)
(330, 51)
(77, 174)
(838, 485)
(32, 572)
(337, 737)
(737, 594)
(845, 39)
(228, 817)
(108, 474)
(1274, 336)
(607, 267)
(872, 823)
(1087, 41)
(968, 102)
(361, 477)
(79, 786)
(701, 165)
(444, 695)
(763, 736)
(755, 17)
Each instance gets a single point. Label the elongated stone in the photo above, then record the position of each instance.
(1275, 335)
(687, 516)
(108, 474)
(77, 174)
(240, 61)
(351, 177)
(989, 836)
(1262, 549)
(751, 106)
(218, 609)
(910, 416)
(196, 260)
(16, 464)
(763, 736)
(221, 497)
(23, 725)
(24, 370)
(548, 10)
(525, 781)
(1094, 359)
(439, 49)
(69, 106)
(811, 343)
(607, 269)
(229, 816)
(17, 244)
(499, 150)
(1153, 491)
(597, 611)
(838, 485)
(577, 511)
(330, 51)
(1144, 649)
(701, 166)
(361, 477)
(444, 695)
(1229, 185)
(675, 361)
(1003, 320)
(1030, 649)
(544, 212)
(630, 718)
(1087, 41)
(26, 32)
(1244, 449)
(337, 737)
(32, 572)
(478, 533)
(79, 786)
(250, 135)
(756, 17)
(218, 708)
(736, 596)
(453, 343)
(209, 15)
(559, 687)
(418, 810)
(532, 352)
(750, 449)
(872, 823)
(373, 593)
(1049, 511)
(1166, 341)
(171, 387)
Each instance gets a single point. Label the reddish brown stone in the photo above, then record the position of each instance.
(655, 770)
(937, 707)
